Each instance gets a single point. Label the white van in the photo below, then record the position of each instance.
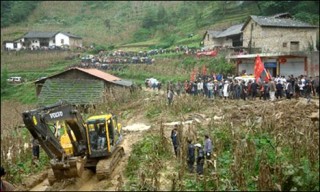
(15, 79)
(245, 78)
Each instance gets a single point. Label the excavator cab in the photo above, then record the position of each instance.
(103, 134)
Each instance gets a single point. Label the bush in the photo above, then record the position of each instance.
(142, 34)
(98, 48)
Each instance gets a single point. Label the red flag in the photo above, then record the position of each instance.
(204, 70)
(258, 67)
(193, 75)
(268, 75)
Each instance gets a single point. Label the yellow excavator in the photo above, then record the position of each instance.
(94, 144)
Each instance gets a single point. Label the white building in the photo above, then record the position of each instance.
(37, 40)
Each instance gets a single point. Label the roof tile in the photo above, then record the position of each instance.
(99, 74)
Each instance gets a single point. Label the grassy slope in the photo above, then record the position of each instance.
(86, 19)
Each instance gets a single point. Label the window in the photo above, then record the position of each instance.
(62, 41)
(294, 46)
(15, 45)
(284, 44)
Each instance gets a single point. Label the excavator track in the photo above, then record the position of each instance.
(105, 167)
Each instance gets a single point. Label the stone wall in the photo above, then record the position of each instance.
(212, 42)
(272, 39)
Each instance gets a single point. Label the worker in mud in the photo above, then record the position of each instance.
(170, 96)
(175, 141)
(200, 158)
(207, 147)
(5, 185)
(191, 155)
(35, 151)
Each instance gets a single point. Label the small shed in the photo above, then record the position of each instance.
(78, 86)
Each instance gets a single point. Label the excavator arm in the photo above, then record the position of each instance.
(38, 121)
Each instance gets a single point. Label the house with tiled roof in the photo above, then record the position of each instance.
(230, 37)
(43, 40)
(78, 86)
(285, 45)
(278, 34)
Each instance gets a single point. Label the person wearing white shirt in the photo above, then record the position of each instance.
(200, 87)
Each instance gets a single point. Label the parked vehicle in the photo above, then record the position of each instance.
(245, 78)
(15, 80)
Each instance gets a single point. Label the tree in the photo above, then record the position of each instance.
(150, 19)
(162, 15)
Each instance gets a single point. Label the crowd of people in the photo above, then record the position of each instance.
(105, 60)
(215, 87)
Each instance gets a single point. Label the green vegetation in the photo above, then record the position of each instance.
(114, 24)
(150, 25)
(16, 11)
(255, 157)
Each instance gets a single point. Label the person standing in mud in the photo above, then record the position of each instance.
(175, 141)
(272, 89)
(288, 89)
(35, 150)
(159, 86)
(279, 89)
(200, 159)
(170, 97)
(207, 147)
(191, 155)
(244, 90)
(178, 88)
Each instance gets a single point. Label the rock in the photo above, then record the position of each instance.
(218, 118)
(315, 116)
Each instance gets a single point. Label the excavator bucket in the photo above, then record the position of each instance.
(71, 168)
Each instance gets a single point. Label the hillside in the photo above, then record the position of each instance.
(142, 23)
(257, 144)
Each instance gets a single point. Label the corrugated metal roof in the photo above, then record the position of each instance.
(233, 30)
(36, 34)
(280, 22)
(99, 74)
